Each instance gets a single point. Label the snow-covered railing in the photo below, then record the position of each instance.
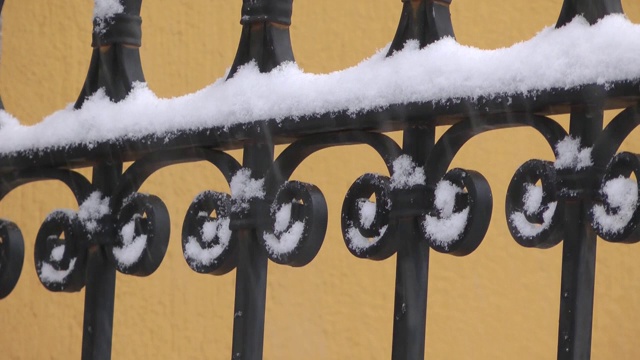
(424, 79)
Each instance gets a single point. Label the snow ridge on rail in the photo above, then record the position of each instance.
(574, 55)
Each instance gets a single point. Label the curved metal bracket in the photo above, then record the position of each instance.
(138, 173)
(293, 155)
(453, 139)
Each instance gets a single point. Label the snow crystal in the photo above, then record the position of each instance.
(582, 54)
(532, 203)
(107, 8)
(359, 243)
(406, 173)
(103, 12)
(132, 246)
(218, 228)
(622, 196)
(367, 212)
(49, 275)
(448, 226)
(93, 209)
(569, 154)
(244, 187)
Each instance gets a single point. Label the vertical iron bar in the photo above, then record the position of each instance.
(98, 306)
(579, 251)
(412, 267)
(578, 277)
(101, 282)
(251, 273)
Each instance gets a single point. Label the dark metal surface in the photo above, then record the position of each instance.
(565, 213)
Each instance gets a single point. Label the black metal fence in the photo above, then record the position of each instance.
(268, 217)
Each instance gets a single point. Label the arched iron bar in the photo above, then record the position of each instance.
(77, 183)
(613, 135)
(453, 139)
(138, 173)
(293, 155)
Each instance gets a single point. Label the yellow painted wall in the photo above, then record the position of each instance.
(501, 302)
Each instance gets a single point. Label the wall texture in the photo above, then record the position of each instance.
(501, 302)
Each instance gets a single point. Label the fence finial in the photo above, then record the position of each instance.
(115, 62)
(592, 10)
(265, 34)
(426, 21)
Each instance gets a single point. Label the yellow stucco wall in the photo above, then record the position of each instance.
(501, 302)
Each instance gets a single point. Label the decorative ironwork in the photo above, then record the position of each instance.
(420, 205)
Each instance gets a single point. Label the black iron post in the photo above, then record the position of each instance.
(100, 281)
(579, 245)
(251, 272)
(412, 266)
(115, 65)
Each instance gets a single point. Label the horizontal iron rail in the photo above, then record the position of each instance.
(392, 118)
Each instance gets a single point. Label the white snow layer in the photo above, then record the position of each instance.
(218, 228)
(573, 55)
(532, 203)
(569, 154)
(285, 238)
(103, 12)
(48, 274)
(132, 245)
(448, 226)
(93, 209)
(103, 9)
(406, 173)
(57, 253)
(359, 243)
(367, 212)
(244, 187)
(622, 195)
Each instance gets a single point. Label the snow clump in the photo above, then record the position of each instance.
(448, 225)
(621, 194)
(569, 154)
(406, 173)
(532, 203)
(285, 237)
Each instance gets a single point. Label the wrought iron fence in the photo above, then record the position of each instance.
(589, 190)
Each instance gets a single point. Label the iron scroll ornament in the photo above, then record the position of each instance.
(142, 221)
(477, 191)
(297, 211)
(11, 256)
(208, 243)
(615, 213)
(59, 260)
(613, 208)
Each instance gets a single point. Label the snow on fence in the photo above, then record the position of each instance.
(421, 80)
